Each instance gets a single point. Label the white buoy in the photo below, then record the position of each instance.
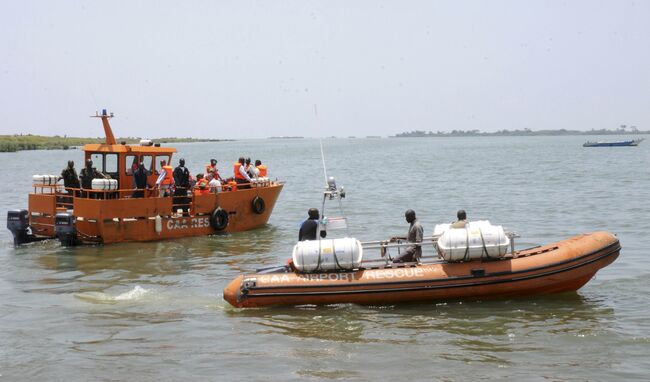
(158, 224)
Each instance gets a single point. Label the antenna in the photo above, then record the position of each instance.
(320, 141)
(110, 138)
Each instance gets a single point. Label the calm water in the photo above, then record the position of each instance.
(150, 312)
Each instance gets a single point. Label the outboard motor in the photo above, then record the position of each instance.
(18, 224)
(65, 228)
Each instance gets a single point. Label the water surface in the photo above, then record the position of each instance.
(154, 311)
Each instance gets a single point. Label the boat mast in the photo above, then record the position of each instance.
(110, 138)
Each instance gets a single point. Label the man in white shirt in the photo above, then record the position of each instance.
(214, 184)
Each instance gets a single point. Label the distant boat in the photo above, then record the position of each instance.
(634, 142)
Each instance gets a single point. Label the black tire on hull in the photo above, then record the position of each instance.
(219, 219)
(258, 205)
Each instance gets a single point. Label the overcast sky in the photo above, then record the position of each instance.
(236, 69)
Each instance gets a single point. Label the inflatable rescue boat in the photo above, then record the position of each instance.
(478, 261)
(559, 267)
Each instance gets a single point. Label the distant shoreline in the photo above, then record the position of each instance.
(18, 142)
(514, 133)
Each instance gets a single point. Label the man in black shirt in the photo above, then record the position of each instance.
(182, 184)
(87, 175)
(310, 226)
(140, 180)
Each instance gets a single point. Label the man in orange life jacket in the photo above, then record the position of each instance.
(262, 171)
(241, 176)
(212, 168)
(165, 180)
(201, 187)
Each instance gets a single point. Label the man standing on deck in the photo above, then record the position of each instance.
(182, 182)
(87, 175)
(241, 176)
(212, 168)
(70, 177)
(140, 180)
(412, 252)
(165, 180)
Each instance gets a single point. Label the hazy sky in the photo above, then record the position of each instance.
(236, 69)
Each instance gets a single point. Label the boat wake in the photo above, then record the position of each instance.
(135, 294)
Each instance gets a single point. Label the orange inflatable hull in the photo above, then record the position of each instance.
(559, 267)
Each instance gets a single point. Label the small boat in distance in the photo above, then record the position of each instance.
(633, 142)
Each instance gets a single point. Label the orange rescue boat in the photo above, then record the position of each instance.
(116, 212)
(559, 267)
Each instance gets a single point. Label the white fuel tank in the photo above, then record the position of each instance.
(473, 242)
(327, 255)
(45, 180)
(104, 184)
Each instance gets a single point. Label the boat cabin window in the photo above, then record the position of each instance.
(131, 164)
(110, 164)
(159, 158)
(98, 161)
(105, 163)
(147, 160)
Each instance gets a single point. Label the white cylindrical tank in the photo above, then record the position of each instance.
(112, 184)
(474, 242)
(327, 255)
(99, 184)
(45, 180)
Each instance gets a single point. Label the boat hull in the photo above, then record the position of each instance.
(613, 144)
(106, 221)
(559, 267)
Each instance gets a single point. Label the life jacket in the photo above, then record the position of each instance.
(262, 169)
(169, 175)
(233, 185)
(201, 187)
(238, 175)
(209, 168)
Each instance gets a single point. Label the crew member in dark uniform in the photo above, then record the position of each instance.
(140, 180)
(182, 184)
(87, 175)
(412, 252)
(70, 180)
(310, 226)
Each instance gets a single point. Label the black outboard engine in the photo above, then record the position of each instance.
(66, 229)
(18, 224)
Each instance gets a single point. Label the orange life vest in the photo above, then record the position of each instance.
(238, 175)
(262, 169)
(169, 175)
(201, 187)
(209, 168)
(233, 185)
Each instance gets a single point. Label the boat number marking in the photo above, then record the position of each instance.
(174, 224)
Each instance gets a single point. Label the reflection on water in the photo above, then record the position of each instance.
(471, 324)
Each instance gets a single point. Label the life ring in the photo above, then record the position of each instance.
(258, 205)
(219, 219)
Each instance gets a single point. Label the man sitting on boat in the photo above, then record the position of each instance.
(416, 232)
(310, 226)
(462, 220)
